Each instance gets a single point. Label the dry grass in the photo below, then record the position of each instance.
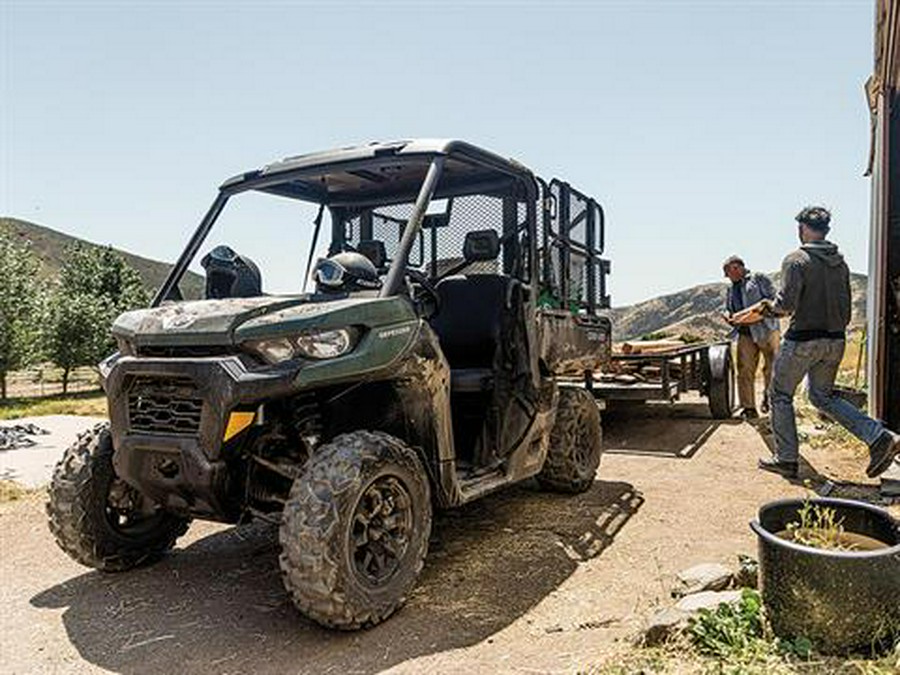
(821, 432)
(11, 491)
(92, 404)
(852, 372)
(678, 658)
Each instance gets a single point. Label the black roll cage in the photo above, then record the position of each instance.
(490, 174)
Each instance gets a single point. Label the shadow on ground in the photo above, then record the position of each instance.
(677, 430)
(218, 605)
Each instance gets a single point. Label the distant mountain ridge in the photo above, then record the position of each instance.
(50, 246)
(696, 311)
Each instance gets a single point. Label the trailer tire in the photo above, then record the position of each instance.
(720, 384)
(355, 529)
(86, 512)
(576, 443)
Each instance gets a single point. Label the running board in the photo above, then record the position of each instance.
(477, 486)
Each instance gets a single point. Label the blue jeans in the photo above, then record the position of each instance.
(819, 361)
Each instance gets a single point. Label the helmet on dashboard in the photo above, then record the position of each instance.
(230, 275)
(347, 271)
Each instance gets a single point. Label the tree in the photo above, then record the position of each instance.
(95, 286)
(21, 306)
(78, 334)
(103, 273)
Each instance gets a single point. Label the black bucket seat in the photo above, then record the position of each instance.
(469, 326)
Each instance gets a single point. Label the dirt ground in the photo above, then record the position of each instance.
(522, 581)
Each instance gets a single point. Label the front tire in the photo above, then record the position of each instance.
(576, 443)
(99, 520)
(355, 530)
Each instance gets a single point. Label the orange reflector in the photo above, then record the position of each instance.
(237, 422)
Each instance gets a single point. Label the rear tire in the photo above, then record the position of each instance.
(355, 530)
(721, 383)
(576, 443)
(99, 520)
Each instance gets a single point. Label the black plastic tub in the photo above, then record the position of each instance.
(841, 600)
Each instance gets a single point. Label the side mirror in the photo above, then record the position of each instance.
(481, 246)
(437, 214)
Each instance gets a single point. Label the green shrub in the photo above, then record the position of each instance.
(732, 632)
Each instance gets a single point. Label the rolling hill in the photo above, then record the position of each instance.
(695, 311)
(50, 246)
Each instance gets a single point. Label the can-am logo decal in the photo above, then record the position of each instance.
(177, 321)
(394, 332)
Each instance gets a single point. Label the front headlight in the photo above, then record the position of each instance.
(326, 344)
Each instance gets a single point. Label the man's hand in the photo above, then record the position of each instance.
(726, 317)
(765, 307)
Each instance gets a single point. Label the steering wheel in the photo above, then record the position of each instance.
(423, 283)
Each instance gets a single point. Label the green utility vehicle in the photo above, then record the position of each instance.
(445, 352)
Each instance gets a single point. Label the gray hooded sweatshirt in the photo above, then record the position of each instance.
(815, 291)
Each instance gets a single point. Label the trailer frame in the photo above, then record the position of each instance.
(704, 367)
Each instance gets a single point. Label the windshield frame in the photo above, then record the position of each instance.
(488, 172)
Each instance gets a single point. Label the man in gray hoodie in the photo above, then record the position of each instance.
(815, 292)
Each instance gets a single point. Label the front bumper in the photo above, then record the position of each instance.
(168, 418)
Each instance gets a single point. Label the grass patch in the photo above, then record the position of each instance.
(737, 640)
(830, 433)
(835, 434)
(11, 491)
(92, 404)
(674, 660)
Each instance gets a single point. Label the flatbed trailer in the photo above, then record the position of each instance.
(706, 368)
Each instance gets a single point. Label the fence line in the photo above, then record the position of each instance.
(47, 381)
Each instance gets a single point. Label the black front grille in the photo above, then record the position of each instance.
(164, 352)
(164, 406)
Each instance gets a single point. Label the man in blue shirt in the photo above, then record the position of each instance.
(759, 338)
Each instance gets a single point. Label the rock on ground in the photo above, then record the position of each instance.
(705, 577)
(672, 620)
(707, 600)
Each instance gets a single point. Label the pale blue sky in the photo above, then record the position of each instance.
(702, 127)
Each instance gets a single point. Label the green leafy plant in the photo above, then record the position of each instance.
(732, 632)
(691, 338)
(657, 335)
(799, 647)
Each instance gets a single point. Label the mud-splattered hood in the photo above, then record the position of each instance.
(228, 322)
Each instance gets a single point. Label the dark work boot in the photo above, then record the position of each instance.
(786, 469)
(749, 414)
(882, 453)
